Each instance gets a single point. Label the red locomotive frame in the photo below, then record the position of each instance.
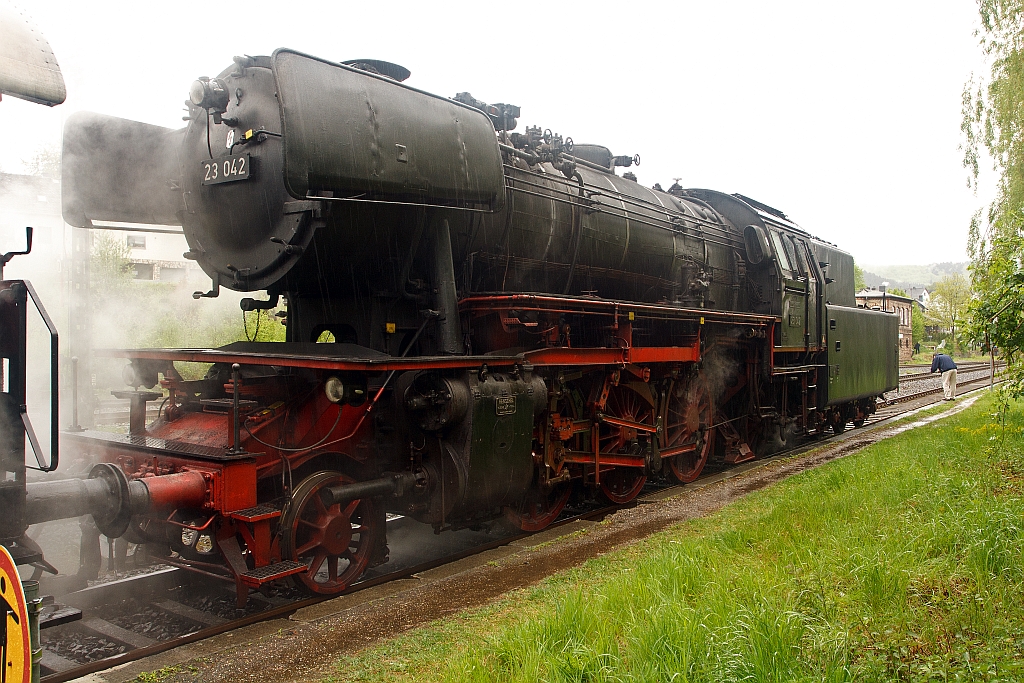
(219, 478)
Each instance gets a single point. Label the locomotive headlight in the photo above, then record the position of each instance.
(197, 93)
(204, 545)
(210, 94)
(128, 376)
(188, 537)
(335, 390)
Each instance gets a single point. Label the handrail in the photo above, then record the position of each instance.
(54, 396)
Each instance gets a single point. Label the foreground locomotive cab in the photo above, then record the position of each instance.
(514, 321)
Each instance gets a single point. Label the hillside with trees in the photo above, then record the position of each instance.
(906, 277)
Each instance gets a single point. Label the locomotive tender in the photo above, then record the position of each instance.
(504, 321)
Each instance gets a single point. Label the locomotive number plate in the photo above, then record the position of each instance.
(224, 170)
(505, 405)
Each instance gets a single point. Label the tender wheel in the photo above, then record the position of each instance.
(622, 484)
(539, 508)
(688, 419)
(336, 543)
(838, 423)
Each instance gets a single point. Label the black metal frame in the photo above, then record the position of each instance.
(54, 391)
(18, 360)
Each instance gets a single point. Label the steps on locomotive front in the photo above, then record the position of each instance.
(254, 578)
(257, 513)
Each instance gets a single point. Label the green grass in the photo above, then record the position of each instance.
(899, 563)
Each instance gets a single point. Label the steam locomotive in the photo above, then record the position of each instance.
(480, 323)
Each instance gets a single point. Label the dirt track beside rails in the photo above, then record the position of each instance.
(303, 647)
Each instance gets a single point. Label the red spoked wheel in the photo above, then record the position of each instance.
(688, 419)
(622, 484)
(540, 507)
(336, 543)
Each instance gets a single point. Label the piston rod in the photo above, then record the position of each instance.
(393, 484)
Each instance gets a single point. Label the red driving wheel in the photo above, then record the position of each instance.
(622, 484)
(540, 507)
(336, 542)
(688, 419)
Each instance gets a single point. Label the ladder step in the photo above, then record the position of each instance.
(254, 578)
(257, 513)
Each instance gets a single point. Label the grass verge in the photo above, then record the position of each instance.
(901, 562)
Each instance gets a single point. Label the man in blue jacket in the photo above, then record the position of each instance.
(944, 364)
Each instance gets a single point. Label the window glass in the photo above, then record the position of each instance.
(800, 261)
(780, 252)
(787, 244)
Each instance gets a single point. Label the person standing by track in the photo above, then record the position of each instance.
(944, 364)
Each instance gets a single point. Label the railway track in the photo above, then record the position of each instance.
(915, 369)
(139, 616)
(918, 385)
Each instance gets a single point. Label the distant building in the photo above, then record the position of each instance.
(36, 200)
(921, 296)
(158, 257)
(31, 200)
(902, 306)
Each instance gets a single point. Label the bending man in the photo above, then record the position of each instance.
(944, 364)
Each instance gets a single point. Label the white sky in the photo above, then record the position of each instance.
(844, 115)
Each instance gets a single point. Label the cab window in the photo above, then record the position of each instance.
(797, 248)
(780, 251)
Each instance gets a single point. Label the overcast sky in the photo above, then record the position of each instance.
(844, 115)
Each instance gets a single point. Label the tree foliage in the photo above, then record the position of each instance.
(916, 324)
(110, 268)
(950, 303)
(45, 162)
(130, 313)
(993, 123)
(858, 278)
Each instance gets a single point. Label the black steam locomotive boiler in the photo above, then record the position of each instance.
(479, 322)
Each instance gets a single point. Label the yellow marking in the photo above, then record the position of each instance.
(632, 315)
(16, 649)
(390, 328)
